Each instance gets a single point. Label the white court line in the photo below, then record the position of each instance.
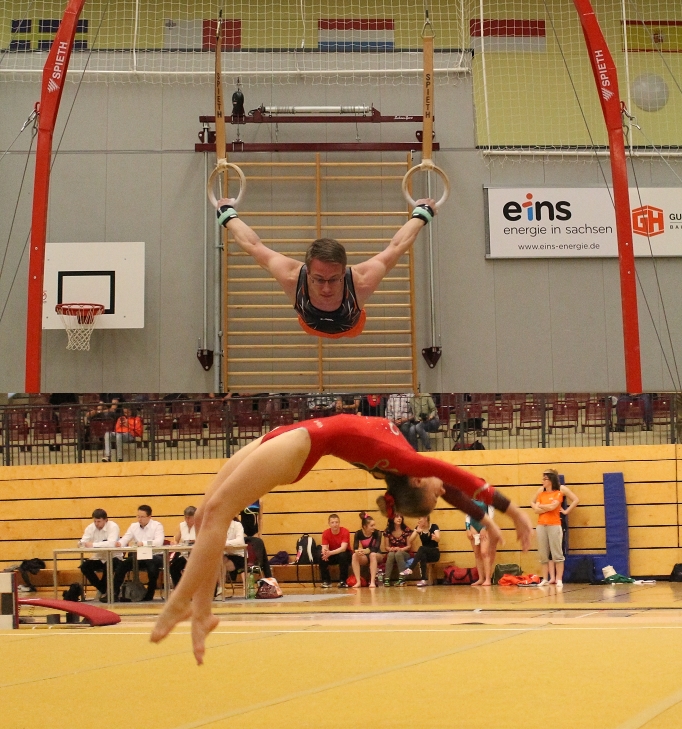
(651, 712)
(373, 629)
(117, 664)
(343, 682)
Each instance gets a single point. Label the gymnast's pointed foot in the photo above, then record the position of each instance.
(202, 625)
(175, 612)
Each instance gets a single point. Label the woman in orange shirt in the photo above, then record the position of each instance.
(547, 503)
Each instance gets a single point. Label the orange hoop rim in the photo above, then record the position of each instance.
(79, 309)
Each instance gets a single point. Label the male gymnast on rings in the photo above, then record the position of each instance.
(328, 295)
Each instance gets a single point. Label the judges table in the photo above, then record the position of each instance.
(107, 553)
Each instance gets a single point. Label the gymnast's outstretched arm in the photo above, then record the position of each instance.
(459, 484)
(283, 269)
(368, 275)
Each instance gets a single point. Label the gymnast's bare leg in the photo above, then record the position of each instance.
(254, 471)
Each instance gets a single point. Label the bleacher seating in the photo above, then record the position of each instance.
(201, 427)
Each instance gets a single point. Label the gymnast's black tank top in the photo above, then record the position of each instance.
(338, 321)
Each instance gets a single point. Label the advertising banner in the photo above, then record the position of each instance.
(563, 222)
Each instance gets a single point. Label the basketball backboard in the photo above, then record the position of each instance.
(111, 274)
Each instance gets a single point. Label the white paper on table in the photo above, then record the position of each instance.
(144, 553)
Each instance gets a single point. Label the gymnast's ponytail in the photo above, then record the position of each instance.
(365, 518)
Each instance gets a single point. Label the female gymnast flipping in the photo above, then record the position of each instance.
(284, 456)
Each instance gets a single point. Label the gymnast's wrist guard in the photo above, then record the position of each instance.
(225, 213)
(423, 212)
(500, 502)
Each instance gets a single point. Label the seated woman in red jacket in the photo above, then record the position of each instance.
(285, 455)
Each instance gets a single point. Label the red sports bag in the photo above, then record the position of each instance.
(460, 575)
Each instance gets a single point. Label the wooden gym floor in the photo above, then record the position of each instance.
(586, 657)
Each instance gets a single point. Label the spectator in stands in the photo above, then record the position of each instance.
(397, 538)
(321, 402)
(128, 427)
(547, 503)
(425, 417)
(484, 550)
(143, 532)
(366, 550)
(249, 519)
(429, 536)
(113, 402)
(101, 533)
(186, 534)
(335, 550)
(372, 406)
(399, 411)
(221, 396)
(235, 538)
(347, 404)
(646, 408)
(99, 411)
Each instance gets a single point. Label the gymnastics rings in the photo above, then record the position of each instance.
(426, 165)
(221, 167)
(427, 120)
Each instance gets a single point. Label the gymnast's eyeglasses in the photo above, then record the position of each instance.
(319, 281)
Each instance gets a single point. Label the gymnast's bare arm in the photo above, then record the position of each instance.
(283, 269)
(368, 275)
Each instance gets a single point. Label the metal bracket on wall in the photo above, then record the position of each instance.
(431, 355)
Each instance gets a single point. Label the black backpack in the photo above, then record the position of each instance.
(74, 593)
(583, 571)
(475, 446)
(307, 551)
(30, 567)
(676, 574)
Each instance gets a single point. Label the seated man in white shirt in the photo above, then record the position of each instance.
(186, 535)
(235, 538)
(101, 533)
(143, 532)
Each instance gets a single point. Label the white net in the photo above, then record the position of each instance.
(534, 88)
(172, 41)
(79, 320)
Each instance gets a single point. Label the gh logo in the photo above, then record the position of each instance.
(648, 220)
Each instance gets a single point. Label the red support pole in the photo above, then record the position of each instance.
(606, 78)
(54, 76)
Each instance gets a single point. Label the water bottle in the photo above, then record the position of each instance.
(250, 586)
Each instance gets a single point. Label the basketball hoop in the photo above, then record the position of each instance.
(79, 321)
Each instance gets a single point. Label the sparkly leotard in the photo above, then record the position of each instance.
(376, 444)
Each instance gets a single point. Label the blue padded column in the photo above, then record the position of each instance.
(616, 516)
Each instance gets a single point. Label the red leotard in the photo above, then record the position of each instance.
(377, 444)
